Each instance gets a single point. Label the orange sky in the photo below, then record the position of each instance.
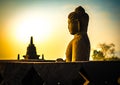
(47, 23)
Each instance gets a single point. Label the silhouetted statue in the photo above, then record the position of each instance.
(79, 47)
(18, 57)
(31, 51)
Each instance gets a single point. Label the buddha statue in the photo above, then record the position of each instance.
(79, 47)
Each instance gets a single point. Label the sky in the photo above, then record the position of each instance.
(46, 21)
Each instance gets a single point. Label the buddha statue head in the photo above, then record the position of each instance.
(78, 21)
(73, 23)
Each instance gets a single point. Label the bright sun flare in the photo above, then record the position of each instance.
(40, 27)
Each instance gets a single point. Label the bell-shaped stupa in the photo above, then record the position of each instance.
(31, 51)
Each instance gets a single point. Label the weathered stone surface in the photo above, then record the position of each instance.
(54, 73)
(32, 78)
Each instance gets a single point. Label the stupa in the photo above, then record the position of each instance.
(31, 51)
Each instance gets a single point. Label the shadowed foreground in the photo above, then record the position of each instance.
(59, 73)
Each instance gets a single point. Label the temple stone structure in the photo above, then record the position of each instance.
(31, 51)
(28, 72)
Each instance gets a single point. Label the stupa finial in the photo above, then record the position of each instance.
(31, 40)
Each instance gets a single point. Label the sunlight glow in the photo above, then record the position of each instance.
(38, 26)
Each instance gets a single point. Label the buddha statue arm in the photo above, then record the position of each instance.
(77, 50)
(69, 52)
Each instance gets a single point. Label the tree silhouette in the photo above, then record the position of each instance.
(97, 54)
(106, 52)
(107, 49)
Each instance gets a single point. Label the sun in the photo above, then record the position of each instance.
(40, 27)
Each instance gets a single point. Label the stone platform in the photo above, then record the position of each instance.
(13, 72)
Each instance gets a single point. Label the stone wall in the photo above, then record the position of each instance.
(59, 73)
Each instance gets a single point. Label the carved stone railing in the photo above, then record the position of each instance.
(59, 73)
